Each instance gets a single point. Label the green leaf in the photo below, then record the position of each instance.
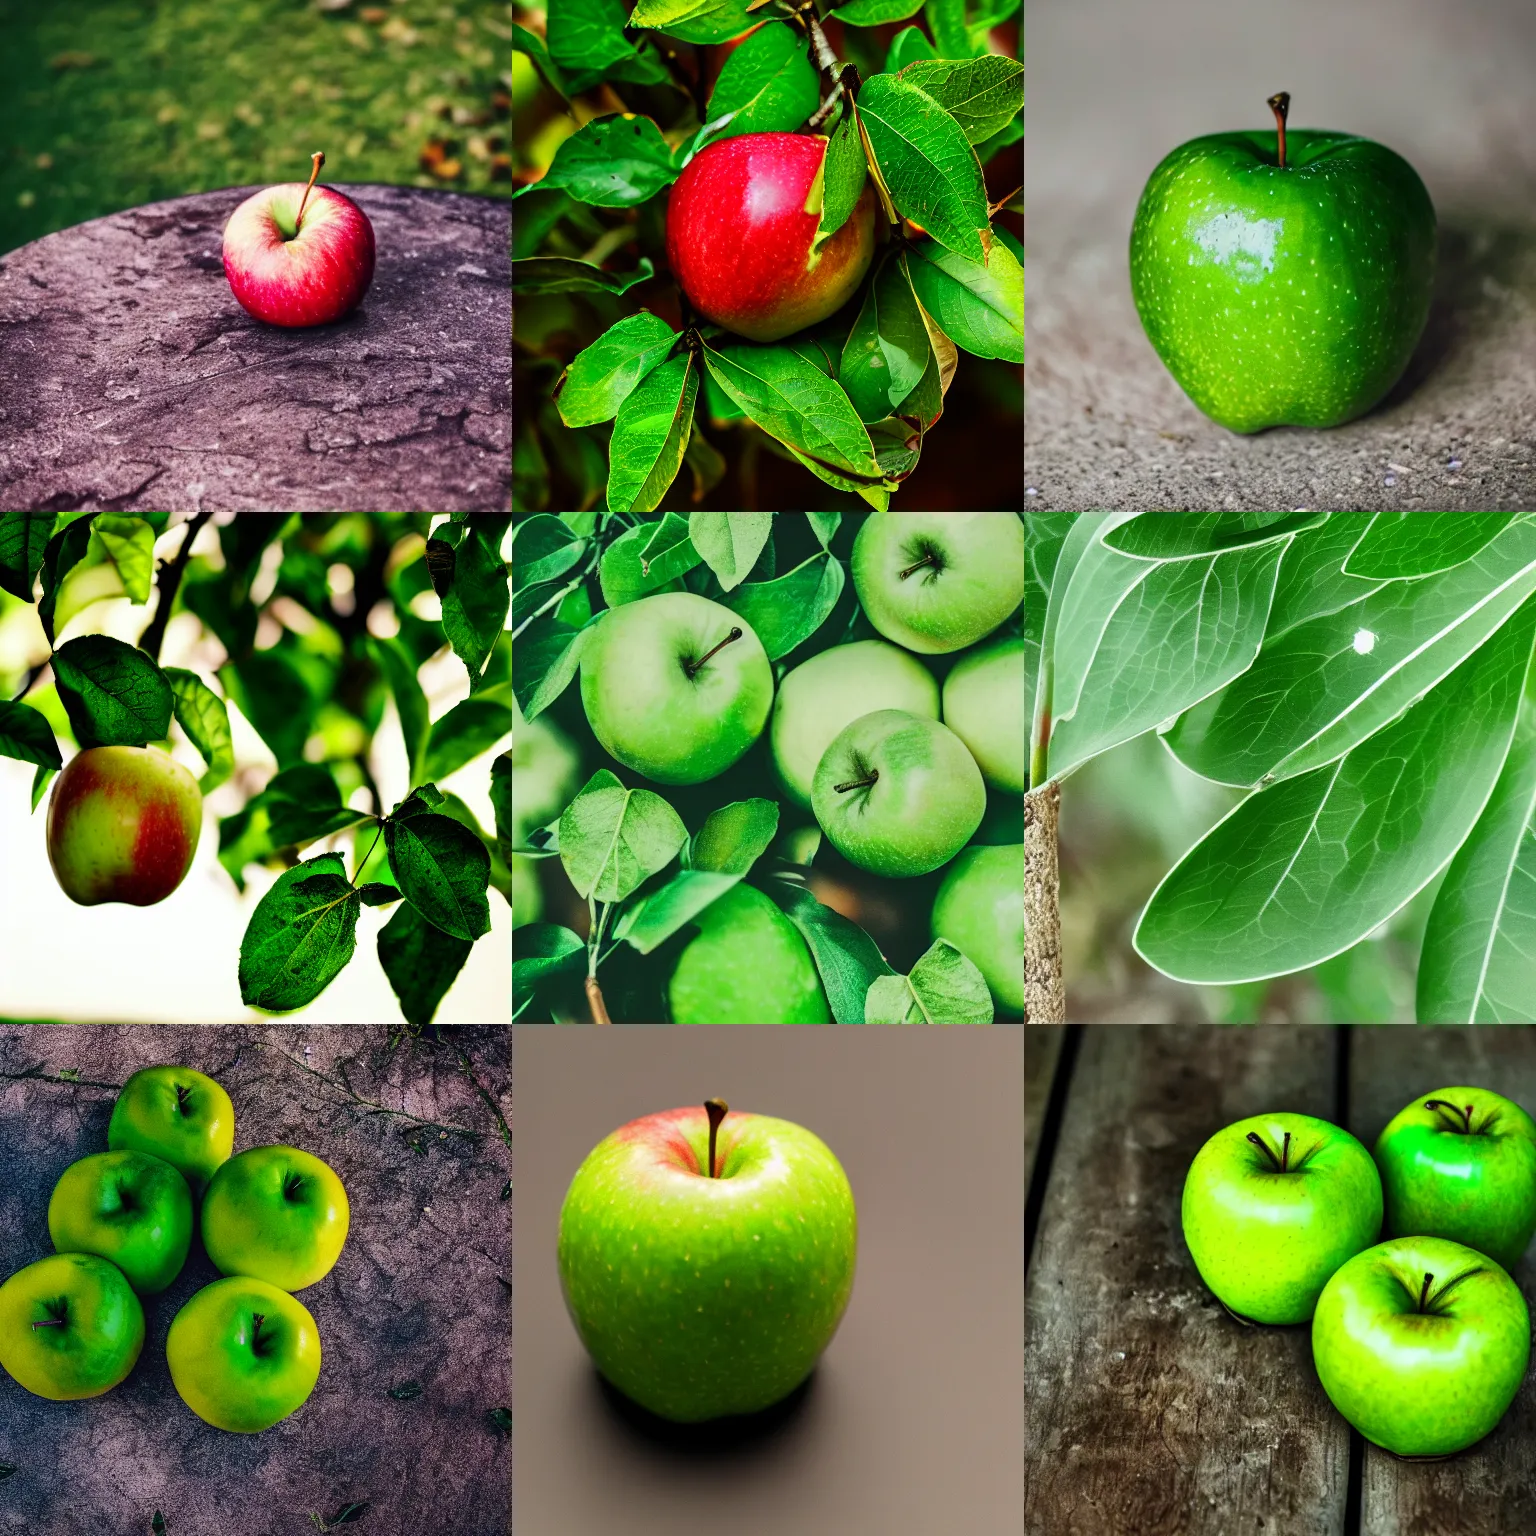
(530, 43)
(847, 959)
(982, 95)
(26, 735)
(444, 871)
(587, 42)
(475, 602)
(399, 669)
(795, 402)
(129, 543)
(875, 13)
(887, 350)
(565, 274)
(300, 937)
(788, 611)
(612, 162)
(946, 21)
(844, 172)
(1477, 966)
(1407, 544)
(544, 662)
(206, 721)
(612, 838)
(1160, 537)
(694, 21)
(768, 85)
(735, 837)
(501, 803)
(908, 45)
(23, 542)
(422, 963)
(671, 551)
(944, 988)
(471, 727)
(629, 572)
(114, 695)
(1010, 133)
(650, 435)
(40, 782)
(650, 921)
(730, 542)
(602, 376)
(544, 956)
(1305, 869)
(980, 307)
(66, 549)
(927, 164)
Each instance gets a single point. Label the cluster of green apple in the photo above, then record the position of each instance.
(1422, 1341)
(243, 1353)
(678, 688)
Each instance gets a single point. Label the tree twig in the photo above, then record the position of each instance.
(169, 583)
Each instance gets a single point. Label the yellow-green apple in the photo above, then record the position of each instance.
(675, 686)
(1421, 1343)
(70, 1326)
(749, 965)
(742, 221)
(293, 259)
(980, 910)
(276, 1214)
(832, 690)
(128, 1207)
(984, 707)
(1460, 1163)
(898, 794)
(707, 1257)
(1273, 1205)
(243, 1354)
(178, 1114)
(123, 824)
(938, 581)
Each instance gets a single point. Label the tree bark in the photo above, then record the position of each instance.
(1045, 995)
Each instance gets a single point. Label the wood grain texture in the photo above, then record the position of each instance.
(1149, 1410)
(131, 379)
(1488, 1487)
(1042, 1050)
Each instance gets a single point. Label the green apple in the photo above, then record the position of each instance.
(177, 1114)
(243, 1354)
(123, 824)
(276, 1214)
(1460, 1163)
(675, 686)
(70, 1326)
(1283, 280)
(832, 690)
(984, 707)
(707, 1279)
(897, 794)
(547, 768)
(1272, 1206)
(980, 910)
(128, 1207)
(938, 581)
(1421, 1343)
(748, 965)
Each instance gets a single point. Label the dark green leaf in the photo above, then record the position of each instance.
(980, 307)
(113, 694)
(650, 435)
(602, 376)
(768, 84)
(471, 727)
(206, 721)
(694, 21)
(566, 274)
(444, 870)
(888, 349)
(421, 961)
(612, 162)
(26, 735)
(23, 542)
(300, 937)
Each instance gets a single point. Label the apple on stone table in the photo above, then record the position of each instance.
(129, 1207)
(1460, 1163)
(70, 1326)
(1421, 1343)
(706, 1257)
(243, 1354)
(1272, 1206)
(293, 260)
(1284, 279)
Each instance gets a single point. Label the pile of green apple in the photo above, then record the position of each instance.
(678, 688)
(243, 1353)
(1422, 1341)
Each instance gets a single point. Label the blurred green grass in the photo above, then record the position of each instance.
(107, 104)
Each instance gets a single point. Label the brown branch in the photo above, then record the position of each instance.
(169, 583)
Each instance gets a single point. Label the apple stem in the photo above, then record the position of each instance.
(873, 778)
(1280, 105)
(1465, 1115)
(1269, 1151)
(717, 1110)
(316, 161)
(51, 1322)
(1429, 1280)
(927, 559)
(695, 667)
(258, 1320)
(1285, 1152)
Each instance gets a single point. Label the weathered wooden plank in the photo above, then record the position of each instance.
(1489, 1487)
(1149, 1410)
(1042, 1050)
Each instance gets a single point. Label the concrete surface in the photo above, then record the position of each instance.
(1113, 86)
(421, 1292)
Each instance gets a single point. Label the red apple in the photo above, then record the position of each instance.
(123, 825)
(739, 236)
(289, 266)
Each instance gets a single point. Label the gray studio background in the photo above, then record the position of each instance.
(914, 1420)
(1116, 84)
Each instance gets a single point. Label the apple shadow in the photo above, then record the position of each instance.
(1476, 263)
(737, 1437)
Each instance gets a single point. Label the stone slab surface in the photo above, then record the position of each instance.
(421, 1292)
(1113, 87)
(130, 378)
